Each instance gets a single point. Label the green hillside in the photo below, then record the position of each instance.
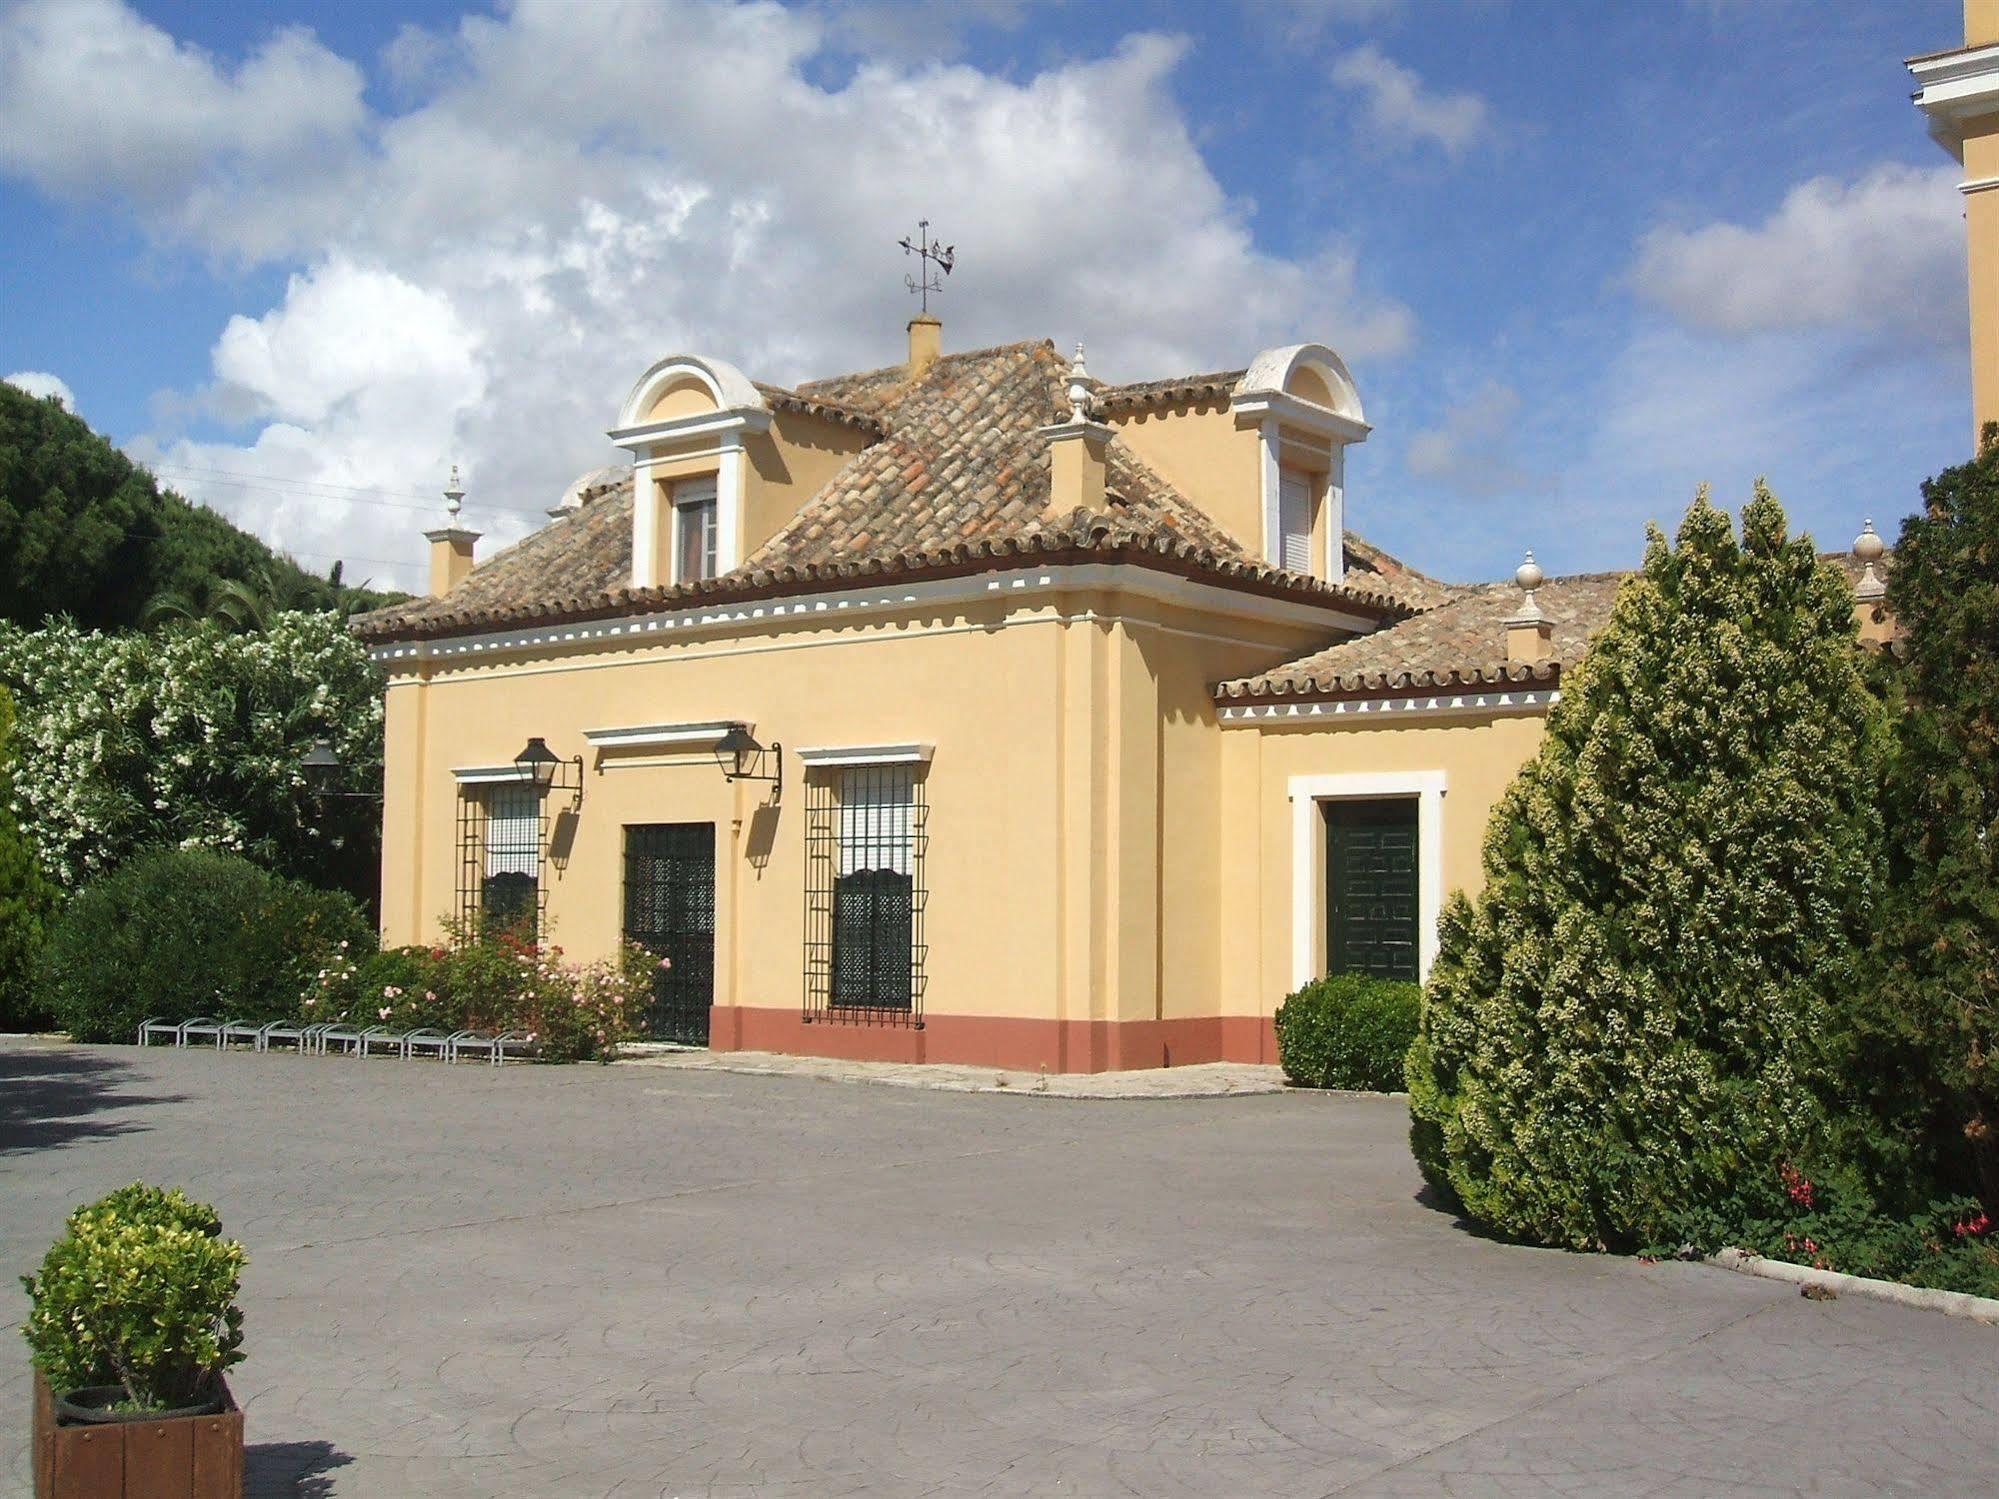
(85, 532)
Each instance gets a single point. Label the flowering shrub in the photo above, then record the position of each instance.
(193, 737)
(489, 982)
(140, 1291)
(1832, 1221)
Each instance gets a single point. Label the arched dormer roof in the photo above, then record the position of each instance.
(730, 388)
(1311, 373)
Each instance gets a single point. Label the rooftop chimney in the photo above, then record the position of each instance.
(451, 544)
(1530, 637)
(926, 342)
(1076, 448)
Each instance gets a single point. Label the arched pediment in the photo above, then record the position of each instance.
(1311, 373)
(680, 383)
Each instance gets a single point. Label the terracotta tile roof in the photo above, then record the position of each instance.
(959, 479)
(1458, 643)
(1112, 400)
(780, 399)
(1461, 643)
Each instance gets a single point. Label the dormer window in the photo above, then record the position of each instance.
(1301, 400)
(694, 530)
(685, 410)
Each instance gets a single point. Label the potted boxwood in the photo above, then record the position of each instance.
(133, 1321)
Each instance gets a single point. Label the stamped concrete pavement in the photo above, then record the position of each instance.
(642, 1281)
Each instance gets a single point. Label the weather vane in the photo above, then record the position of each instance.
(929, 253)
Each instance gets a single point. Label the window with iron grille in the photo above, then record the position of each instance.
(500, 834)
(865, 840)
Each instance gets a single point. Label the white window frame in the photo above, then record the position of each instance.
(1308, 858)
(698, 495)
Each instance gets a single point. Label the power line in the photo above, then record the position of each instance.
(313, 489)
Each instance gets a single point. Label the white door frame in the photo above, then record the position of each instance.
(1308, 859)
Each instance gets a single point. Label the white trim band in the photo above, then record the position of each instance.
(485, 775)
(1246, 714)
(869, 754)
(1308, 859)
(663, 735)
(886, 595)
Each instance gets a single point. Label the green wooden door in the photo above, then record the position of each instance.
(1371, 888)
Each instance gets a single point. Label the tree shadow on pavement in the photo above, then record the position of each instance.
(52, 1096)
(290, 1470)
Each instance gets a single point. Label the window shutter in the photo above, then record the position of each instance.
(513, 831)
(1294, 522)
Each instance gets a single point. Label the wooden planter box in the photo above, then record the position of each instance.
(184, 1457)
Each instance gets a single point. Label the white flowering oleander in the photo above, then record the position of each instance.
(1621, 1028)
(192, 737)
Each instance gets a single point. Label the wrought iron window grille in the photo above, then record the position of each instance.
(866, 843)
(502, 832)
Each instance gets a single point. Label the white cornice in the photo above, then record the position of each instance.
(1956, 86)
(721, 425)
(1299, 415)
(485, 775)
(663, 735)
(1266, 715)
(885, 596)
(868, 754)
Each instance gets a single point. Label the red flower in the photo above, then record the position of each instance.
(1797, 1186)
(1971, 1227)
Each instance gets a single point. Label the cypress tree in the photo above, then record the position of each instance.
(1925, 1035)
(1625, 1021)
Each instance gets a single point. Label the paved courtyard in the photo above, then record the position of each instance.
(638, 1281)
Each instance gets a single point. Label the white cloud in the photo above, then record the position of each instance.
(1469, 449)
(482, 274)
(42, 383)
(1403, 110)
(96, 102)
(1883, 254)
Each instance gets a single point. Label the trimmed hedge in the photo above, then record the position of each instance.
(185, 932)
(1348, 1031)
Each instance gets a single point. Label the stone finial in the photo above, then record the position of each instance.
(1081, 384)
(450, 544)
(1868, 547)
(1528, 576)
(1530, 635)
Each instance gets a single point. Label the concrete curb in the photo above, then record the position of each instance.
(1198, 1080)
(1950, 1303)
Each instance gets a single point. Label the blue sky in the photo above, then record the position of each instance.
(1580, 257)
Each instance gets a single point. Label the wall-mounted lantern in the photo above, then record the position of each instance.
(323, 769)
(743, 759)
(540, 767)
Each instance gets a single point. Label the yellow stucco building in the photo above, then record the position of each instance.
(965, 710)
(1958, 90)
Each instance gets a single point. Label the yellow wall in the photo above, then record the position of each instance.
(1075, 819)
(1981, 227)
(1981, 22)
(787, 466)
(1478, 755)
(1199, 449)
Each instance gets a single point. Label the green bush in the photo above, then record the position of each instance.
(1628, 1022)
(1348, 1031)
(1921, 1038)
(186, 932)
(1833, 1220)
(140, 1291)
(27, 899)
